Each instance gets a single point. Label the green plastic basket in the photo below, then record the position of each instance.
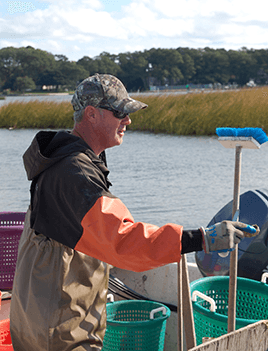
(251, 305)
(135, 325)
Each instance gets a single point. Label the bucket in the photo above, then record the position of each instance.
(210, 304)
(5, 338)
(135, 325)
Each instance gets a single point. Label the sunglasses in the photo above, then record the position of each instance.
(117, 114)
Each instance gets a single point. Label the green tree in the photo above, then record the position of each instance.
(242, 66)
(51, 78)
(65, 73)
(24, 83)
(138, 70)
(216, 66)
(90, 65)
(133, 70)
(33, 62)
(7, 65)
(106, 63)
(20, 62)
(261, 67)
(197, 56)
(187, 67)
(71, 73)
(166, 65)
(61, 58)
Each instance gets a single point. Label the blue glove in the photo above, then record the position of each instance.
(223, 236)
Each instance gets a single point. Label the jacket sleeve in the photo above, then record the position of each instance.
(111, 235)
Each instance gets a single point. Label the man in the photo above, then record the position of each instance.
(75, 228)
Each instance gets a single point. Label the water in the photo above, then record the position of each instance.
(65, 97)
(160, 178)
(57, 98)
(180, 179)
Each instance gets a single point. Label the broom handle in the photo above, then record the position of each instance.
(180, 307)
(185, 310)
(234, 253)
(188, 318)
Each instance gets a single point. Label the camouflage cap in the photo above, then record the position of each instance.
(104, 90)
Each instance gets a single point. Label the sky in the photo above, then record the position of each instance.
(78, 28)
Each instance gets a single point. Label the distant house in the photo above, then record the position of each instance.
(251, 84)
(49, 87)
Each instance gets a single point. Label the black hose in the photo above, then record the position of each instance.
(120, 289)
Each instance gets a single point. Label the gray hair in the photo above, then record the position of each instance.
(78, 115)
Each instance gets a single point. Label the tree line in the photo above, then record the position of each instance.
(27, 68)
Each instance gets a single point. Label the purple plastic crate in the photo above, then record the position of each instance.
(11, 227)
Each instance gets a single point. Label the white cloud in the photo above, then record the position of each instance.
(138, 19)
(178, 9)
(53, 45)
(76, 48)
(92, 22)
(95, 4)
(85, 28)
(80, 38)
(133, 48)
(7, 43)
(28, 43)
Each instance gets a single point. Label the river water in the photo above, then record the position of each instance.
(160, 178)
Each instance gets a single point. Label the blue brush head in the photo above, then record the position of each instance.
(257, 133)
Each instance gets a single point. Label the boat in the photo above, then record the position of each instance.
(160, 284)
(253, 337)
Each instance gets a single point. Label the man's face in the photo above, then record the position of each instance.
(111, 129)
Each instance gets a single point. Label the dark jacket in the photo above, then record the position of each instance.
(74, 229)
(72, 204)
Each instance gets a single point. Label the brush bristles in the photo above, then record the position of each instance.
(256, 133)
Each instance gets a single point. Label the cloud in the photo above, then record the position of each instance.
(100, 24)
(7, 43)
(94, 4)
(85, 28)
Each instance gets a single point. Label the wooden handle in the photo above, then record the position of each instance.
(188, 318)
(234, 253)
(185, 310)
(179, 308)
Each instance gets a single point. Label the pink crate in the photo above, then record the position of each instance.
(11, 227)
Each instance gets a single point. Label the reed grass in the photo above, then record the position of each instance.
(190, 114)
(36, 114)
(201, 114)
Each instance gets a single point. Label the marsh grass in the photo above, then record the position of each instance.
(190, 114)
(36, 114)
(201, 114)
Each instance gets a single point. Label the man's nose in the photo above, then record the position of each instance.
(126, 120)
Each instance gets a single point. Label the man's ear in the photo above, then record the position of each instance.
(90, 113)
